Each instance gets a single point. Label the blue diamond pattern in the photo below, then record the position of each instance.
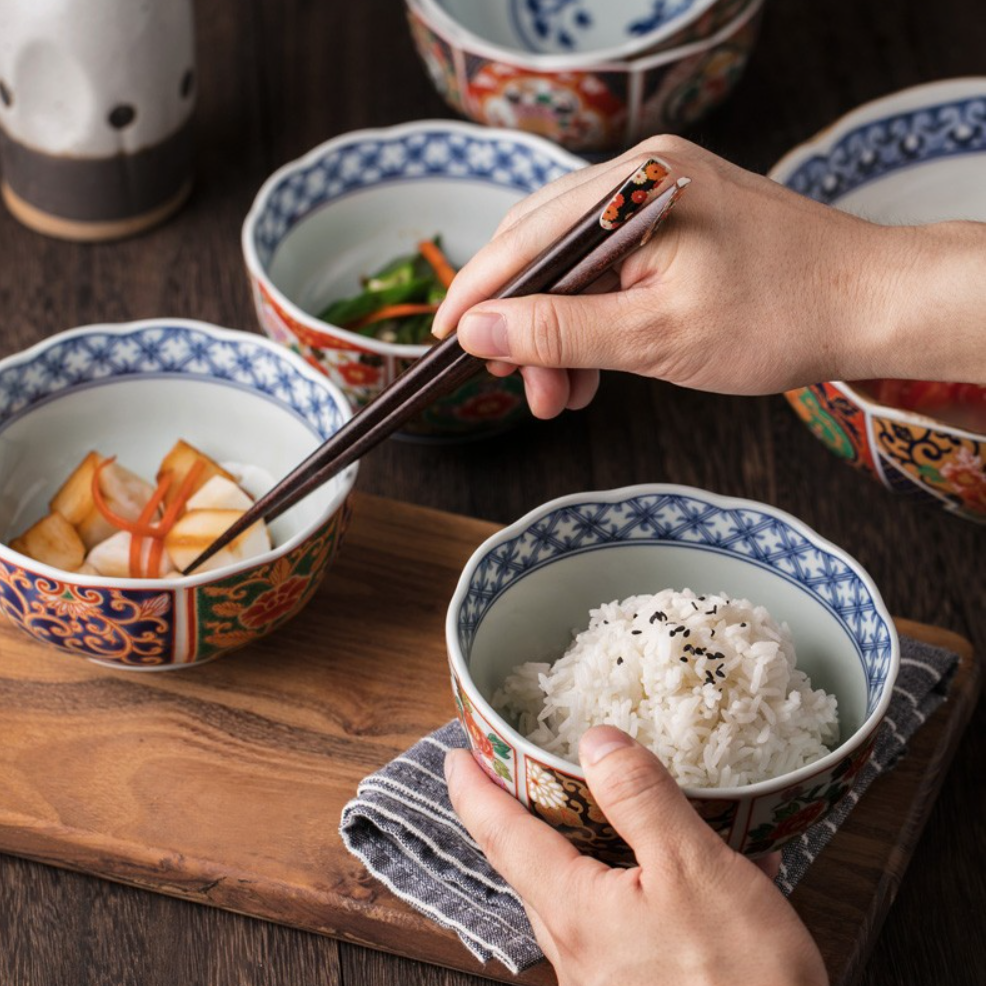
(765, 539)
(88, 358)
(876, 149)
(422, 154)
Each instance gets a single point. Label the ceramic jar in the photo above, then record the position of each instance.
(96, 102)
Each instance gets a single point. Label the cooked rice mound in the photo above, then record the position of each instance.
(707, 682)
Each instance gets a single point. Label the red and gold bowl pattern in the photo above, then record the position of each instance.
(597, 107)
(910, 454)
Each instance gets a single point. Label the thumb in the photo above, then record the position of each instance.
(601, 331)
(642, 801)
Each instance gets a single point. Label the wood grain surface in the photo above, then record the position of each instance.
(279, 76)
(225, 785)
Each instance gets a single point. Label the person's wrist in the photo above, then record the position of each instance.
(924, 297)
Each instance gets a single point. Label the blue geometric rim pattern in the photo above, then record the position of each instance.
(551, 25)
(424, 154)
(97, 357)
(883, 146)
(660, 518)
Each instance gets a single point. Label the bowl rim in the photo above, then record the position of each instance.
(772, 785)
(257, 271)
(908, 99)
(636, 66)
(544, 62)
(345, 481)
(822, 143)
(901, 415)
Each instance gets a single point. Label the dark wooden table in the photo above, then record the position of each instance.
(276, 78)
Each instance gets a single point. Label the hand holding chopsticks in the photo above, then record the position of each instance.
(620, 223)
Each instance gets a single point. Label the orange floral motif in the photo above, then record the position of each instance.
(359, 374)
(967, 478)
(488, 406)
(274, 603)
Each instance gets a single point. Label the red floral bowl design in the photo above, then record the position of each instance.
(592, 105)
(916, 456)
(234, 394)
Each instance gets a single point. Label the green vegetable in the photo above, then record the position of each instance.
(408, 279)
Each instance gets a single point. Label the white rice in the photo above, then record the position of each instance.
(707, 682)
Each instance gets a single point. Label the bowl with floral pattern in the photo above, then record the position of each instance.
(559, 35)
(353, 204)
(583, 103)
(525, 589)
(131, 390)
(915, 157)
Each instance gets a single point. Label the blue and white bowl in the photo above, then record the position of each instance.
(525, 588)
(359, 200)
(583, 101)
(555, 35)
(917, 156)
(132, 390)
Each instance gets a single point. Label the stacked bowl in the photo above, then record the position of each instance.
(592, 75)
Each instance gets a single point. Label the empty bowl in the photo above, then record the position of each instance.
(132, 390)
(525, 589)
(580, 101)
(915, 157)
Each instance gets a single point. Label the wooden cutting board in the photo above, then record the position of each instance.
(224, 784)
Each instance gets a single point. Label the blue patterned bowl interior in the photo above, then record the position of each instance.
(359, 200)
(599, 29)
(522, 596)
(918, 156)
(133, 390)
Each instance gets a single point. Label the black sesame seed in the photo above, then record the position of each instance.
(742, 624)
(684, 660)
(712, 612)
(719, 656)
(635, 632)
(701, 599)
(719, 673)
(709, 680)
(688, 647)
(619, 660)
(695, 606)
(713, 633)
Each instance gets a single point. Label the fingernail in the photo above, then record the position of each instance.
(600, 742)
(438, 321)
(484, 334)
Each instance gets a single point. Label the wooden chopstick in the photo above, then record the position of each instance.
(620, 223)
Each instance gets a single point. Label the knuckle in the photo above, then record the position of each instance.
(547, 346)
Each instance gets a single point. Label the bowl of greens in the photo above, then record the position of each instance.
(350, 250)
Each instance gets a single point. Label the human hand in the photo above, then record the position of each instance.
(692, 912)
(748, 288)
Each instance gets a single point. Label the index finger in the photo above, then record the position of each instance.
(519, 244)
(530, 855)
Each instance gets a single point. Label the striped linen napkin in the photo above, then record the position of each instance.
(403, 828)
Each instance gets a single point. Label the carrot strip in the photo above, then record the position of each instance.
(143, 530)
(154, 558)
(393, 311)
(146, 515)
(444, 271)
(178, 503)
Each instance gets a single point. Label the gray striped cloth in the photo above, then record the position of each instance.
(403, 828)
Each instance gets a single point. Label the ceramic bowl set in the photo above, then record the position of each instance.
(917, 156)
(588, 74)
(526, 587)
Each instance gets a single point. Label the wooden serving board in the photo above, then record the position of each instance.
(224, 784)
